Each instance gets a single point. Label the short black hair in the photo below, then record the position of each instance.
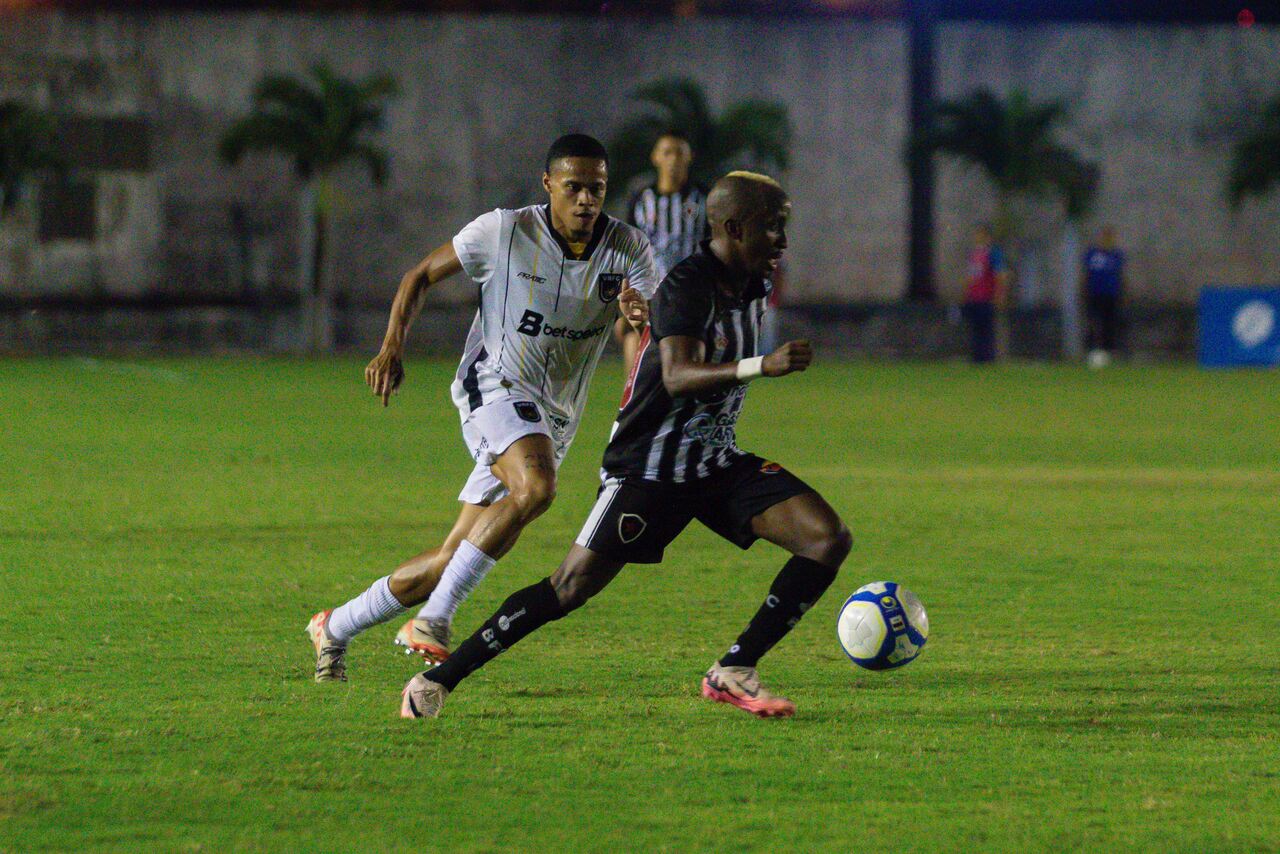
(576, 145)
(674, 133)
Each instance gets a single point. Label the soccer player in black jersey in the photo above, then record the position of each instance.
(673, 458)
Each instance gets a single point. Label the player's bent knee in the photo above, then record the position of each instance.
(534, 497)
(830, 545)
(841, 543)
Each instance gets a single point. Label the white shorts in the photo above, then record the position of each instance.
(489, 430)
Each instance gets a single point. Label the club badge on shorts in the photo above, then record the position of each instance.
(527, 411)
(630, 527)
(609, 285)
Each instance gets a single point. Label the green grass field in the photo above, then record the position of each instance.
(1098, 553)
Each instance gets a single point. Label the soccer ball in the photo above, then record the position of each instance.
(882, 625)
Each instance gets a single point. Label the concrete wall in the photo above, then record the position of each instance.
(1157, 108)
(887, 331)
(481, 98)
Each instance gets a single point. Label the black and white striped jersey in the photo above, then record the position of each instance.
(675, 223)
(675, 440)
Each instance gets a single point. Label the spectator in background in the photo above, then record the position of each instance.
(770, 338)
(984, 292)
(1103, 286)
(672, 212)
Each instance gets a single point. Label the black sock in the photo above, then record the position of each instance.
(522, 613)
(800, 584)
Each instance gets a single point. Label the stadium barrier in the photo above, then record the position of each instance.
(865, 330)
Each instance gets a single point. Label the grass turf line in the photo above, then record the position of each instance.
(1097, 552)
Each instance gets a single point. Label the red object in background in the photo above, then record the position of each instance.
(1245, 18)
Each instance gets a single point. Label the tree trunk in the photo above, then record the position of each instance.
(306, 265)
(316, 333)
(322, 328)
(1072, 335)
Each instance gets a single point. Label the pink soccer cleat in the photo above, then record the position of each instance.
(331, 657)
(427, 638)
(422, 698)
(740, 686)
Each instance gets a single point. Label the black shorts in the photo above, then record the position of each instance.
(634, 519)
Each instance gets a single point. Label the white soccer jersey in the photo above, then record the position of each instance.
(544, 317)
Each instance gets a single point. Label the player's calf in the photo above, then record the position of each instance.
(794, 591)
(582, 575)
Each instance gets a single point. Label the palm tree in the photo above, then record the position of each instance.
(26, 150)
(319, 124)
(1255, 160)
(1015, 143)
(752, 133)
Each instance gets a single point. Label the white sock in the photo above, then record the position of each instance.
(373, 606)
(468, 568)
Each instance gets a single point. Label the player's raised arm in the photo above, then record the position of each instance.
(685, 371)
(385, 373)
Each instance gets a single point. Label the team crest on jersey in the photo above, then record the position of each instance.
(527, 411)
(609, 285)
(770, 468)
(630, 527)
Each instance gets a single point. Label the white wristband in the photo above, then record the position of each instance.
(749, 369)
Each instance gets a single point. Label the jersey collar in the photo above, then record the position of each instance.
(683, 191)
(755, 287)
(597, 233)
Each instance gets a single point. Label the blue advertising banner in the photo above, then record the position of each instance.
(1239, 326)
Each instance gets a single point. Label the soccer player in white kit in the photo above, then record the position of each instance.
(552, 279)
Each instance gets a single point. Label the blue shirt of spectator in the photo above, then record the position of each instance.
(1104, 271)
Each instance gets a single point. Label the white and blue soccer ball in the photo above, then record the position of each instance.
(882, 625)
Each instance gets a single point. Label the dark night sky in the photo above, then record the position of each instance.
(1263, 12)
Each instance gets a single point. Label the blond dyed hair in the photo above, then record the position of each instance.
(755, 176)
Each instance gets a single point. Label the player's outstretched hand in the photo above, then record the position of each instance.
(633, 307)
(790, 357)
(384, 374)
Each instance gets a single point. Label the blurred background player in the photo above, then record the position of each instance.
(673, 457)
(1103, 286)
(770, 323)
(984, 293)
(551, 279)
(672, 213)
